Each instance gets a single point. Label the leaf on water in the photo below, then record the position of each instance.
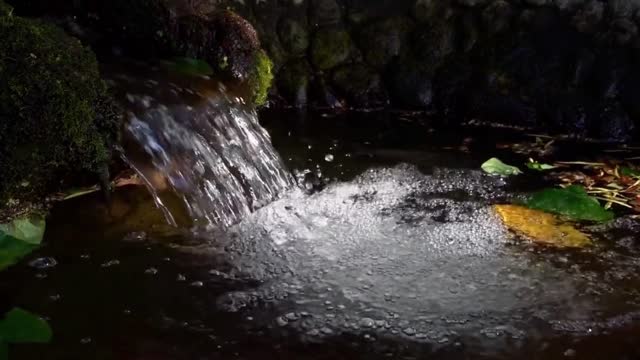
(540, 227)
(20, 326)
(28, 229)
(494, 166)
(572, 202)
(12, 250)
(534, 165)
(189, 66)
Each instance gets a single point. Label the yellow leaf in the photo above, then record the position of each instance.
(540, 227)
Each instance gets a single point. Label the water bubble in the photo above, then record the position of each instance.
(328, 158)
(570, 353)
(110, 263)
(43, 263)
(281, 321)
(367, 322)
(409, 331)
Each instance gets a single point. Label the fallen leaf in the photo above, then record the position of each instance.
(572, 202)
(20, 326)
(540, 227)
(495, 166)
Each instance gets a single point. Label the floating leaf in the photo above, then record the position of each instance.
(12, 250)
(494, 166)
(541, 227)
(189, 66)
(534, 165)
(29, 229)
(572, 201)
(20, 326)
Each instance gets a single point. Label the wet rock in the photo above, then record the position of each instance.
(293, 82)
(410, 84)
(324, 12)
(497, 16)
(362, 11)
(330, 47)
(472, 2)
(433, 43)
(623, 31)
(361, 86)
(293, 36)
(615, 124)
(568, 5)
(469, 33)
(589, 16)
(382, 41)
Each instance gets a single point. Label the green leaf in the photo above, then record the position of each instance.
(4, 351)
(627, 171)
(189, 66)
(534, 165)
(572, 202)
(12, 250)
(29, 229)
(74, 193)
(494, 166)
(20, 326)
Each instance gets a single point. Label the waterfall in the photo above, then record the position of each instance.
(211, 152)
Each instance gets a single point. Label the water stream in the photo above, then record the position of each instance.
(210, 151)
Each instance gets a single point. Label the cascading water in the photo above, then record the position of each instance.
(212, 152)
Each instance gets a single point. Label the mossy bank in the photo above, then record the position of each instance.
(57, 120)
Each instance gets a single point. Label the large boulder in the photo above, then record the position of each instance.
(56, 118)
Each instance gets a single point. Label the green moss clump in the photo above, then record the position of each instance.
(261, 78)
(56, 118)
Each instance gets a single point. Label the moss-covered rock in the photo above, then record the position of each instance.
(361, 86)
(330, 47)
(293, 36)
(381, 41)
(56, 117)
(261, 78)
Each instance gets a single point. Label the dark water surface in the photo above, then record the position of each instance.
(388, 249)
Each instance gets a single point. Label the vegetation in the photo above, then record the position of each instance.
(56, 117)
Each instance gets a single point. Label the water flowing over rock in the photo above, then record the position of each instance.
(211, 152)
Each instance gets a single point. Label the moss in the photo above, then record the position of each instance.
(50, 89)
(261, 78)
(331, 47)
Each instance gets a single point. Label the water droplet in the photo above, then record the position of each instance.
(181, 278)
(197, 284)
(43, 263)
(110, 263)
(151, 271)
(328, 158)
(85, 341)
(55, 297)
(570, 353)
